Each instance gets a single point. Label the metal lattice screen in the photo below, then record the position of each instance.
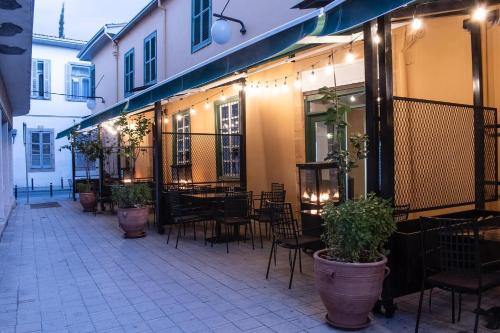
(434, 154)
(201, 158)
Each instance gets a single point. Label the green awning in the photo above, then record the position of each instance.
(340, 16)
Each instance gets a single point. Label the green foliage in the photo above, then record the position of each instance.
(84, 187)
(346, 157)
(357, 230)
(130, 196)
(133, 131)
(87, 144)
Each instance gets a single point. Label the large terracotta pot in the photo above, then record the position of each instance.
(348, 290)
(88, 201)
(133, 221)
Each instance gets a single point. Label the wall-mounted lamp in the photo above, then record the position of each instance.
(13, 133)
(221, 29)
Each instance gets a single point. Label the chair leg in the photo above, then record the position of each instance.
(270, 258)
(260, 233)
(169, 232)
(459, 307)
(476, 323)
(227, 239)
(205, 226)
(179, 234)
(293, 268)
(300, 260)
(419, 312)
(213, 235)
(251, 236)
(430, 299)
(453, 306)
(194, 230)
(275, 252)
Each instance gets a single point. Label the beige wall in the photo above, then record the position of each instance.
(106, 77)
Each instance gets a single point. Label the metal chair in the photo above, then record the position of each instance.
(277, 187)
(451, 260)
(286, 234)
(401, 212)
(181, 215)
(263, 213)
(236, 212)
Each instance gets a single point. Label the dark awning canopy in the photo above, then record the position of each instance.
(338, 16)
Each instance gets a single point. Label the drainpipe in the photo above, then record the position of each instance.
(164, 9)
(116, 53)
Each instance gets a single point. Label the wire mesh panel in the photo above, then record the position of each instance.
(434, 154)
(201, 158)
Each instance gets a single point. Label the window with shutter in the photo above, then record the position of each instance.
(78, 82)
(150, 59)
(129, 72)
(201, 23)
(40, 79)
(41, 150)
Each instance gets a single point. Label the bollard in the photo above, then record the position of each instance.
(62, 183)
(50, 188)
(32, 185)
(15, 192)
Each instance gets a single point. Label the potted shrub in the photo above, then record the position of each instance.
(350, 272)
(133, 132)
(89, 145)
(132, 210)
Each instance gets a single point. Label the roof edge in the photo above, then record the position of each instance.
(137, 18)
(58, 42)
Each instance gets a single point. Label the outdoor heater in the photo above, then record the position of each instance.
(318, 184)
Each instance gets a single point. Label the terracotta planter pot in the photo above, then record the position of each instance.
(348, 290)
(133, 221)
(88, 201)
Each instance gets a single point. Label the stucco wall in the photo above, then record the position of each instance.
(105, 77)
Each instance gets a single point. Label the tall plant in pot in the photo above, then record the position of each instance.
(133, 132)
(91, 148)
(132, 210)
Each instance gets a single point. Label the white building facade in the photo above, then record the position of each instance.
(60, 87)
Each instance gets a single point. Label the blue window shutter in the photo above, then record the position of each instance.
(34, 79)
(46, 79)
(92, 81)
(69, 93)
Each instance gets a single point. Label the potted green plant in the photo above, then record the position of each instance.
(133, 132)
(133, 211)
(350, 272)
(89, 145)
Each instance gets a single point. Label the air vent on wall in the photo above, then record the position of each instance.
(9, 4)
(11, 50)
(10, 29)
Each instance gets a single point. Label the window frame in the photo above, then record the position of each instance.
(185, 136)
(70, 95)
(41, 167)
(203, 43)
(46, 75)
(149, 61)
(130, 75)
(220, 145)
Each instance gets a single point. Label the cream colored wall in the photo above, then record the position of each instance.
(106, 77)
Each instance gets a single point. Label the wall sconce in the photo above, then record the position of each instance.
(13, 133)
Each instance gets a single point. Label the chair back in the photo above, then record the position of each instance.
(174, 203)
(450, 245)
(238, 204)
(277, 187)
(283, 224)
(266, 197)
(400, 213)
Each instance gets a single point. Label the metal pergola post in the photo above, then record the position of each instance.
(243, 143)
(73, 173)
(101, 167)
(158, 163)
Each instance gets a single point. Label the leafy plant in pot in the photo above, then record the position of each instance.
(132, 210)
(89, 145)
(350, 272)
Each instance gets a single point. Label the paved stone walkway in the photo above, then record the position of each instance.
(65, 271)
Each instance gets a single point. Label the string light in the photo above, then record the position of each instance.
(284, 88)
(165, 119)
(179, 116)
(192, 110)
(350, 57)
(416, 23)
(480, 13)
(377, 39)
(238, 87)
(222, 97)
(312, 77)
(298, 82)
(329, 67)
(352, 99)
(207, 104)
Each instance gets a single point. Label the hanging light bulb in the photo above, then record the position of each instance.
(298, 82)
(352, 99)
(238, 87)
(312, 77)
(222, 97)
(329, 67)
(350, 57)
(417, 23)
(165, 119)
(480, 13)
(207, 104)
(377, 39)
(284, 87)
(192, 110)
(179, 116)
